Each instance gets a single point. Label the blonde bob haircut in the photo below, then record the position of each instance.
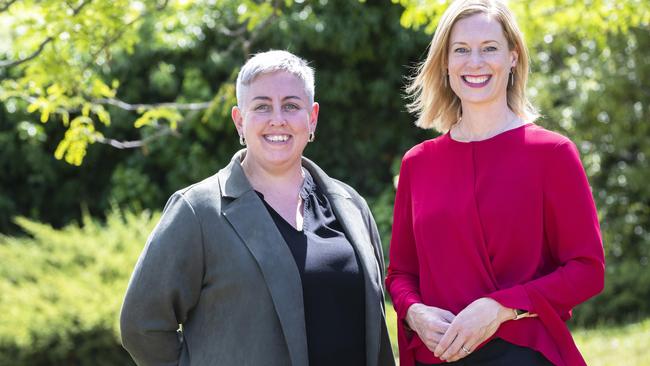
(434, 102)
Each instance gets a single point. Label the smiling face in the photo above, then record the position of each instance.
(275, 118)
(479, 61)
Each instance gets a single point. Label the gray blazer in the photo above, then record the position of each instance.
(217, 265)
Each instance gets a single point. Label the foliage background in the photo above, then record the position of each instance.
(100, 71)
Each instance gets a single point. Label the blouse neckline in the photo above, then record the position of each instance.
(489, 139)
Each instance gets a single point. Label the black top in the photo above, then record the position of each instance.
(332, 281)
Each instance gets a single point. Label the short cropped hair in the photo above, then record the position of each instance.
(436, 104)
(272, 61)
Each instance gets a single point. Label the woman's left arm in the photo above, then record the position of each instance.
(375, 238)
(386, 357)
(573, 237)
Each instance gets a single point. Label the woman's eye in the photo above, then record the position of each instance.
(490, 49)
(291, 107)
(461, 50)
(262, 108)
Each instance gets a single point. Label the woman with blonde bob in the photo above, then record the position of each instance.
(495, 233)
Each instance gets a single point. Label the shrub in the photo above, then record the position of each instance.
(62, 290)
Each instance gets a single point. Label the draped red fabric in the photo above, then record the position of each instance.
(511, 218)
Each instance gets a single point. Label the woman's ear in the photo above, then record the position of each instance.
(237, 119)
(514, 57)
(313, 116)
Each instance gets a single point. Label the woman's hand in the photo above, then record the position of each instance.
(430, 323)
(471, 327)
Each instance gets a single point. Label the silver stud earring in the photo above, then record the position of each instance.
(311, 137)
(242, 140)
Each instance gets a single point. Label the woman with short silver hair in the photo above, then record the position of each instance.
(268, 262)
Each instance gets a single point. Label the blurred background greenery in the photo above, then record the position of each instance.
(106, 108)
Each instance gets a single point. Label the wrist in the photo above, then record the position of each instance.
(411, 314)
(505, 314)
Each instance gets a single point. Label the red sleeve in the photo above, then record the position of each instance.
(573, 237)
(402, 281)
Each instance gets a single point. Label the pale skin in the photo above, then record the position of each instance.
(445, 333)
(479, 63)
(478, 50)
(275, 117)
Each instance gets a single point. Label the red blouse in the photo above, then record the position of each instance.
(511, 218)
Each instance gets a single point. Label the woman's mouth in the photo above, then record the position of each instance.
(476, 81)
(277, 138)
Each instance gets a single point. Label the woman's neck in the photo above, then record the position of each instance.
(480, 124)
(280, 187)
(278, 181)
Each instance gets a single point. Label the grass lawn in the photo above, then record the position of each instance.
(627, 345)
(622, 345)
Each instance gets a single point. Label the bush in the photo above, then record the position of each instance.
(624, 299)
(62, 290)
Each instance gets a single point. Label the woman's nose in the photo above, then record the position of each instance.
(476, 59)
(277, 117)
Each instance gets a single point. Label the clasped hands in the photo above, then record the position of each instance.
(451, 337)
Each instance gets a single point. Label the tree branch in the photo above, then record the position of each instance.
(162, 5)
(115, 37)
(134, 107)
(134, 144)
(41, 47)
(233, 33)
(163, 130)
(246, 43)
(38, 51)
(5, 6)
(118, 35)
(198, 106)
(76, 10)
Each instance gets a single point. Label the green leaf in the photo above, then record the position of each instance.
(159, 114)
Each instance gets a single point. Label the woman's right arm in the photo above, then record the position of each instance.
(429, 322)
(402, 280)
(165, 285)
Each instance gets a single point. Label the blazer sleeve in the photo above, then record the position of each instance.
(386, 357)
(573, 239)
(164, 287)
(375, 238)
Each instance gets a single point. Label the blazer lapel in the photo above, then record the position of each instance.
(254, 225)
(355, 228)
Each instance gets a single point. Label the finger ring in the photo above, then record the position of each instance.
(465, 349)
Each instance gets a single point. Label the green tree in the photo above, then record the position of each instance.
(157, 77)
(181, 62)
(61, 59)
